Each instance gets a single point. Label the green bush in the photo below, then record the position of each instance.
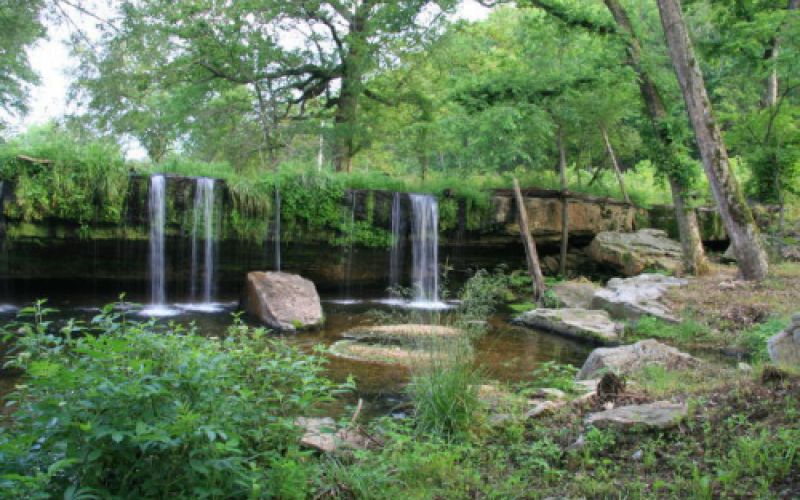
(142, 411)
(68, 178)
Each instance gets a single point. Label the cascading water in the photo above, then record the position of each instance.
(203, 228)
(350, 222)
(396, 252)
(157, 210)
(425, 213)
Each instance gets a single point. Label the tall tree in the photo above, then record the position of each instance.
(694, 258)
(736, 215)
(669, 149)
(20, 27)
(302, 57)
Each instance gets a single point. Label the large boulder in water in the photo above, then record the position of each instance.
(632, 253)
(784, 348)
(630, 358)
(282, 300)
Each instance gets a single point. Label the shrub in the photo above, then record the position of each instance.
(143, 411)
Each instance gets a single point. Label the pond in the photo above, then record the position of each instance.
(506, 354)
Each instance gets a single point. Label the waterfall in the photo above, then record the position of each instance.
(157, 211)
(396, 252)
(348, 269)
(203, 225)
(425, 212)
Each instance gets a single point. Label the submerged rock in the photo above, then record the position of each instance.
(784, 348)
(658, 415)
(592, 325)
(632, 253)
(282, 300)
(629, 358)
(321, 434)
(384, 354)
(409, 333)
(632, 298)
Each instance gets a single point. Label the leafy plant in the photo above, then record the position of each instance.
(146, 411)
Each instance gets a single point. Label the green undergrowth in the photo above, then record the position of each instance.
(692, 333)
(115, 408)
(746, 444)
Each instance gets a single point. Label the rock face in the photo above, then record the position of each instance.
(629, 358)
(633, 298)
(583, 324)
(587, 216)
(658, 415)
(632, 253)
(784, 348)
(575, 294)
(282, 300)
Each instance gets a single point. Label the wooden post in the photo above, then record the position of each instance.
(562, 169)
(617, 170)
(531, 255)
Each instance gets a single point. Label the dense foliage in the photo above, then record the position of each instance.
(143, 411)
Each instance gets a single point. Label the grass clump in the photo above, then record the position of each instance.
(57, 174)
(688, 331)
(444, 393)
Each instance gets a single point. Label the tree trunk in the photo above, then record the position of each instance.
(345, 123)
(614, 163)
(735, 213)
(694, 256)
(531, 255)
(771, 86)
(562, 170)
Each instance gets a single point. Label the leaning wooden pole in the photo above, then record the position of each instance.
(562, 170)
(615, 164)
(534, 269)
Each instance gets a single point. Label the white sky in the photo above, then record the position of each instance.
(52, 60)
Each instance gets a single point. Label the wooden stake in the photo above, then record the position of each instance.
(617, 170)
(534, 269)
(562, 169)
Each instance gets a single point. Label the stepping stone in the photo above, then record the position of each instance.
(658, 415)
(384, 354)
(403, 333)
(583, 324)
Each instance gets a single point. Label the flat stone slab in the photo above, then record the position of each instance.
(321, 434)
(784, 347)
(658, 415)
(409, 333)
(281, 300)
(642, 295)
(630, 358)
(583, 324)
(383, 354)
